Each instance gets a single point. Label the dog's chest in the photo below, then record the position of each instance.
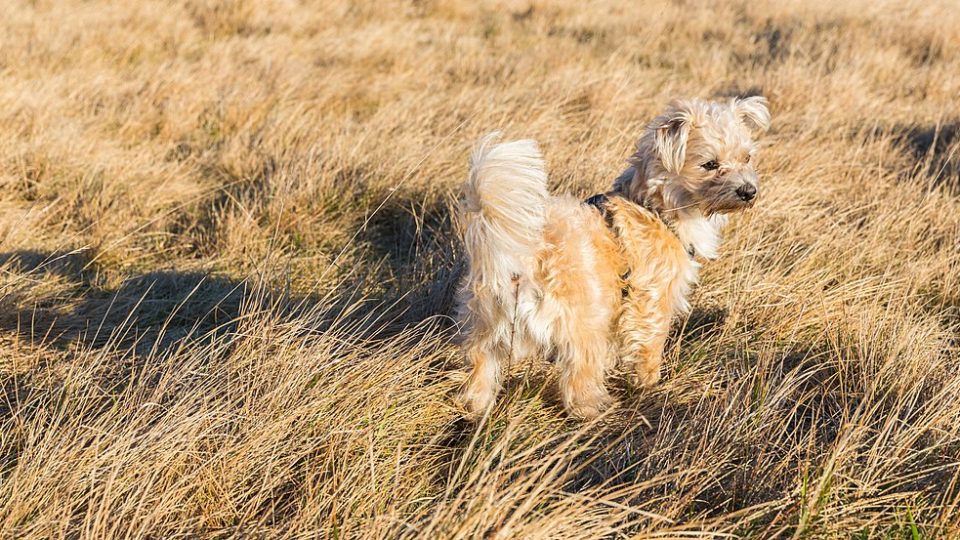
(658, 268)
(686, 278)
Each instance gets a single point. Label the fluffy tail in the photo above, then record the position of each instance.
(503, 211)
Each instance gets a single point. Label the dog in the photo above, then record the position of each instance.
(601, 280)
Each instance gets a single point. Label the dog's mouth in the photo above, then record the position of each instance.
(728, 204)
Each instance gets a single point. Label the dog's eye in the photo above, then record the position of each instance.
(746, 159)
(711, 165)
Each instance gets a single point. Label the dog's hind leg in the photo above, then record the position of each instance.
(584, 356)
(485, 359)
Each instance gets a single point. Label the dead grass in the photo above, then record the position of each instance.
(227, 252)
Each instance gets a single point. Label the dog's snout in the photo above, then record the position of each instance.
(747, 192)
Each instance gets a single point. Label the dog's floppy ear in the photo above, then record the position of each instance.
(671, 133)
(753, 113)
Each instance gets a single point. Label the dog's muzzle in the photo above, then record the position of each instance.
(747, 192)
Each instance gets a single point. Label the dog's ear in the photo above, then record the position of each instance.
(671, 133)
(753, 113)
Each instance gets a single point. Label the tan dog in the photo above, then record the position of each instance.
(595, 282)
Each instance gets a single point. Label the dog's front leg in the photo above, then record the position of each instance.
(644, 326)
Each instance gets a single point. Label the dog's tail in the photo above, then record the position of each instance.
(503, 212)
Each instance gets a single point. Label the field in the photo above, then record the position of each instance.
(228, 249)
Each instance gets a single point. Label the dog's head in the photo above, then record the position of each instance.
(702, 154)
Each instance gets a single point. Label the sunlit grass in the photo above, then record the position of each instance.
(228, 249)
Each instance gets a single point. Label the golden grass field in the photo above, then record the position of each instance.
(228, 249)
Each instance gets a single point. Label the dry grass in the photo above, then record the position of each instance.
(227, 252)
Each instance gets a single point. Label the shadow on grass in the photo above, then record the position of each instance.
(416, 240)
(631, 449)
(937, 151)
(154, 310)
(133, 312)
(56, 301)
(410, 270)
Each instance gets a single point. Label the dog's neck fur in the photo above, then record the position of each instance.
(698, 233)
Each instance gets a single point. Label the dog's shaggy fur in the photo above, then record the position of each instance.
(554, 274)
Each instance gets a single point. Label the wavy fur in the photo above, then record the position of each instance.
(551, 274)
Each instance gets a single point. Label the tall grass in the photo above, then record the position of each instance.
(228, 249)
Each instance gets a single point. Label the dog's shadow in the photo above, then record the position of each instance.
(60, 300)
(53, 301)
(414, 238)
(83, 313)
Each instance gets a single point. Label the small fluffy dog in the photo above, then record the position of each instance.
(594, 281)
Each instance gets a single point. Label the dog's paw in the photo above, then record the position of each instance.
(646, 376)
(475, 404)
(589, 408)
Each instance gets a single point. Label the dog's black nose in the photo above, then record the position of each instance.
(746, 192)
